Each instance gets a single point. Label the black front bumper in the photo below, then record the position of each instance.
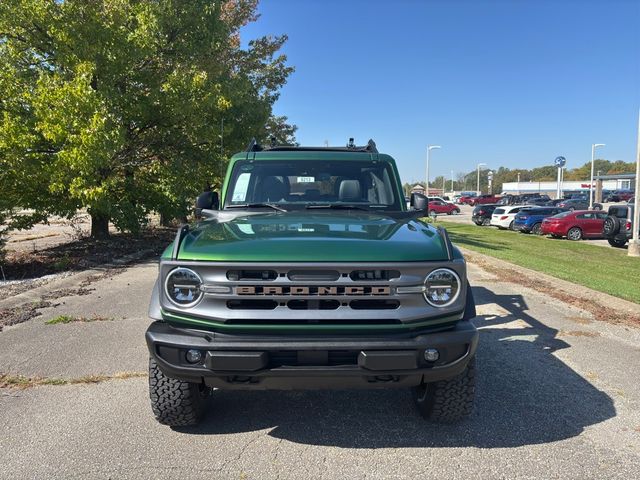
(311, 361)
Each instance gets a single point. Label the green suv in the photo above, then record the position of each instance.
(308, 271)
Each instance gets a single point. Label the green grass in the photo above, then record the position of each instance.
(607, 270)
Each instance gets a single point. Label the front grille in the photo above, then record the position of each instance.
(331, 321)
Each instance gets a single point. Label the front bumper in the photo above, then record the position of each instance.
(241, 361)
(521, 227)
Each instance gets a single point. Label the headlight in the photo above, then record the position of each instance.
(442, 287)
(183, 287)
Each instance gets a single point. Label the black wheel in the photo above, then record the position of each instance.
(571, 209)
(449, 212)
(511, 225)
(432, 213)
(456, 211)
(574, 233)
(615, 242)
(486, 222)
(174, 402)
(597, 206)
(537, 229)
(448, 400)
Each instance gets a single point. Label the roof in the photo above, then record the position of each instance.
(370, 147)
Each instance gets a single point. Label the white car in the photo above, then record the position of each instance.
(503, 217)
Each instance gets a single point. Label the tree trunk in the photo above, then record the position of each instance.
(99, 226)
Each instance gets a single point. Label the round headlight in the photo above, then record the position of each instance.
(442, 287)
(183, 287)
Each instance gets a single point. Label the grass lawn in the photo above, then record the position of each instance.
(608, 270)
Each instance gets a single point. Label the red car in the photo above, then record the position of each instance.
(575, 225)
(436, 206)
(483, 200)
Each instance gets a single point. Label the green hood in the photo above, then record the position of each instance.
(313, 237)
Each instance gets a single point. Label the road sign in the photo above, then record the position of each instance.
(560, 162)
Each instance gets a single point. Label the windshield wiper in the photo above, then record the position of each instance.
(338, 206)
(258, 205)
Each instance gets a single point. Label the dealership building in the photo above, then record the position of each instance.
(601, 182)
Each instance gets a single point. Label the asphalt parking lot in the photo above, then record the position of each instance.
(558, 397)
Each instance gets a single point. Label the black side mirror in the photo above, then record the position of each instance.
(207, 200)
(419, 201)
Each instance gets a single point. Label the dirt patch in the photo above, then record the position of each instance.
(599, 312)
(13, 316)
(580, 320)
(21, 382)
(577, 333)
(84, 253)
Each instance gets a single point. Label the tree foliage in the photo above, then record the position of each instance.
(117, 105)
(279, 131)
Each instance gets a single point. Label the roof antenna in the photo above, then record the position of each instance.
(351, 143)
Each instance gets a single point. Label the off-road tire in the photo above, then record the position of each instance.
(574, 234)
(537, 229)
(174, 402)
(450, 400)
(611, 225)
(615, 242)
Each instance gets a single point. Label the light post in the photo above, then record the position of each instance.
(593, 154)
(518, 183)
(634, 244)
(452, 182)
(478, 184)
(429, 148)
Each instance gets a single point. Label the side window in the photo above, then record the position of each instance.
(585, 216)
(601, 215)
(514, 210)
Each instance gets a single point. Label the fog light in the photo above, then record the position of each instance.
(194, 356)
(431, 355)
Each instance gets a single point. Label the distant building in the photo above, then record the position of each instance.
(608, 182)
(419, 188)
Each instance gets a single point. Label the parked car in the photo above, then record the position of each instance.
(617, 227)
(481, 215)
(578, 204)
(542, 200)
(621, 195)
(437, 206)
(484, 200)
(575, 225)
(632, 200)
(466, 197)
(439, 199)
(503, 216)
(530, 220)
(555, 202)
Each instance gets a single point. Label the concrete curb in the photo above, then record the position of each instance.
(577, 291)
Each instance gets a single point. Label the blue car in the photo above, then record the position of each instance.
(530, 220)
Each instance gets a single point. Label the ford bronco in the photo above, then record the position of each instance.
(308, 270)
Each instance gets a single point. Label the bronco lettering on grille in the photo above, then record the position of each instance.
(319, 290)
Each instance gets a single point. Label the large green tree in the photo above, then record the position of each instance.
(117, 106)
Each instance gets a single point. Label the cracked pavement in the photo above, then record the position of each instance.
(558, 397)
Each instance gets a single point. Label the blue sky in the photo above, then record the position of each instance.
(507, 83)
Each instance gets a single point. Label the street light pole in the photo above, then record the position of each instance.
(452, 182)
(478, 185)
(634, 244)
(593, 153)
(426, 187)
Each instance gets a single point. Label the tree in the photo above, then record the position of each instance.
(279, 131)
(116, 106)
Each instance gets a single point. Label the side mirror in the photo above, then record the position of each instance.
(207, 200)
(419, 201)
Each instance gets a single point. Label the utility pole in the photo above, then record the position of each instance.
(426, 187)
(634, 244)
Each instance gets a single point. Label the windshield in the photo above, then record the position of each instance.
(300, 183)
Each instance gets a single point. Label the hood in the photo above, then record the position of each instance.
(313, 237)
